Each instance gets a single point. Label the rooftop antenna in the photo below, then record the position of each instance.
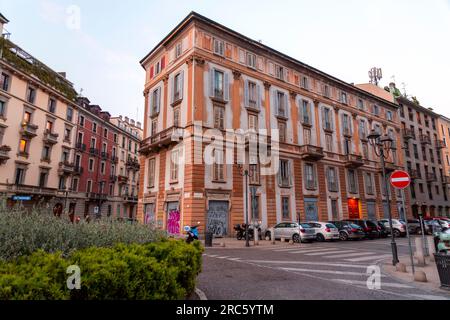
(375, 75)
(404, 89)
(81, 92)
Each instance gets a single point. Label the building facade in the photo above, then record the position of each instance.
(204, 78)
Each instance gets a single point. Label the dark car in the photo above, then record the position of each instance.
(371, 230)
(414, 226)
(384, 233)
(348, 231)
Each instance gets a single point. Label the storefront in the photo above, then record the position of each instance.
(354, 209)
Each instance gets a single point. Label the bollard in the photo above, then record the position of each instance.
(401, 267)
(291, 242)
(431, 248)
(419, 252)
(272, 236)
(222, 245)
(283, 240)
(267, 238)
(420, 276)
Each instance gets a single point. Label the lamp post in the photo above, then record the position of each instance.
(245, 173)
(382, 146)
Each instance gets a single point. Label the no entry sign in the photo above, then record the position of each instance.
(400, 179)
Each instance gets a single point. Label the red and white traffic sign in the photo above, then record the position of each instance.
(400, 180)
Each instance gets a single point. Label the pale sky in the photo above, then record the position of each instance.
(408, 39)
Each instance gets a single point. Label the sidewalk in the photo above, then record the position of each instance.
(430, 270)
(233, 243)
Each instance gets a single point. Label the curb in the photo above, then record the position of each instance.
(201, 294)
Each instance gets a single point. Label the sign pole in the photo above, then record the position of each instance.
(407, 233)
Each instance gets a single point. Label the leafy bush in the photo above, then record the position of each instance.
(155, 271)
(22, 233)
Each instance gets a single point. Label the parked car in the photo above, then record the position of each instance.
(325, 231)
(444, 223)
(399, 228)
(348, 231)
(383, 232)
(371, 230)
(433, 226)
(291, 230)
(414, 226)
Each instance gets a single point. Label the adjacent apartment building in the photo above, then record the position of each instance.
(204, 76)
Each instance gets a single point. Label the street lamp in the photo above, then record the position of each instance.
(382, 145)
(246, 173)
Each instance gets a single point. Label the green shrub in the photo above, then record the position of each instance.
(22, 233)
(156, 271)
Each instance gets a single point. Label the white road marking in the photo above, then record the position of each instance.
(350, 255)
(428, 297)
(344, 273)
(234, 259)
(375, 257)
(364, 283)
(294, 249)
(329, 252)
(311, 251)
(306, 263)
(223, 257)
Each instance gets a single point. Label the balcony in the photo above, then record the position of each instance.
(50, 137)
(440, 144)
(133, 164)
(130, 198)
(311, 153)
(92, 196)
(424, 139)
(80, 147)
(163, 139)
(93, 152)
(113, 178)
(446, 180)
(414, 174)
(28, 130)
(347, 132)
(31, 190)
(123, 179)
(77, 170)
(353, 161)
(105, 155)
(66, 168)
(115, 159)
(4, 154)
(431, 177)
(408, 134)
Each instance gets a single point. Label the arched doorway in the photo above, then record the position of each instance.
(57, 210)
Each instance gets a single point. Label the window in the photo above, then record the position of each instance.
(151, 173)
(105, 133)
(178, 50)
(332, 180)
(284, 174)
(154, 128)
(93, 143)
(103, 167)
(19, 176)
(174, 166)
(218, 84)
(2, 109)
(49, 126)
(310, 177)
(115, 137)
(307, 136)
(254, 174)
(281, 104)
(91, 165)
(362, 130)
(176, 117)
(369, 184)
(69, 114)
(43, 179)
(219, 117)
(27, 117)
(389, 115)
(157, 68)
(65, 156)
(155, 102)
(218, 166)
(346, 125)
(326, 117)
(343, 98)
(31, 95)
(376, 110)
(4, 81)
(46, 151)
(23, 147)
(360, 104)
(352, 183)
(52, 105)
(306, 113)
(282, 131)
(305, 83)
(326, 91)
(81, 121)
(285, 208)
(251, 60)
(252, 121)
(416, 151)
(334, 210)
(252, 94)
(365, 148)
(62, 183)
(94, 127)
(279, 72)
(219, 47)
(89, 186)
(178, 87)
(329, 142)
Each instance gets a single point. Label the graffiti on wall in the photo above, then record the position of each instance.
(173, 222)
(218, 218)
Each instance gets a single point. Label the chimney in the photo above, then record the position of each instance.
(132, 122)
(3, 21)
(127, 119)
(120, 117)
(138, 124)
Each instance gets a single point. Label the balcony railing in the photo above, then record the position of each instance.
(431, 177)
(414, 174)
(93, 151)
(113, 178)
(50, 137)
(409, 134)
(114, 159)
(347, 132)
(29, 130)
(123, 179)
(105, 155)
(311, 153)
(133, 164)
(446, 180)
(163, 139)
(424, 139)
(440, 144)
(4, 154)
(80, 146)
(78, 170)
(66, 168)
(354, 161)
(218, 94)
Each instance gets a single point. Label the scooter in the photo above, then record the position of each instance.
(192, 233)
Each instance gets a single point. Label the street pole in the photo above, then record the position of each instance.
(393, 244)
(247, 240)
(407, 232)
(424, 239)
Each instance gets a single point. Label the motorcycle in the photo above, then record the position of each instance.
(240, 231)
(192, 234)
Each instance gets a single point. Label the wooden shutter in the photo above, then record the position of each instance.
(258, 96)
(172, 89)
(286, 107)
(150, 103)
(158, 100)
(181, 84)
(246, 93)
(211, 82)
(152, 72)
(163, 63)
(275, 102)
(290, 173)
(226, 87)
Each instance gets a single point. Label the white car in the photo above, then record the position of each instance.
(325, 231)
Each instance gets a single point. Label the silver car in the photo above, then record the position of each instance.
(293, 231)
(398, 226)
